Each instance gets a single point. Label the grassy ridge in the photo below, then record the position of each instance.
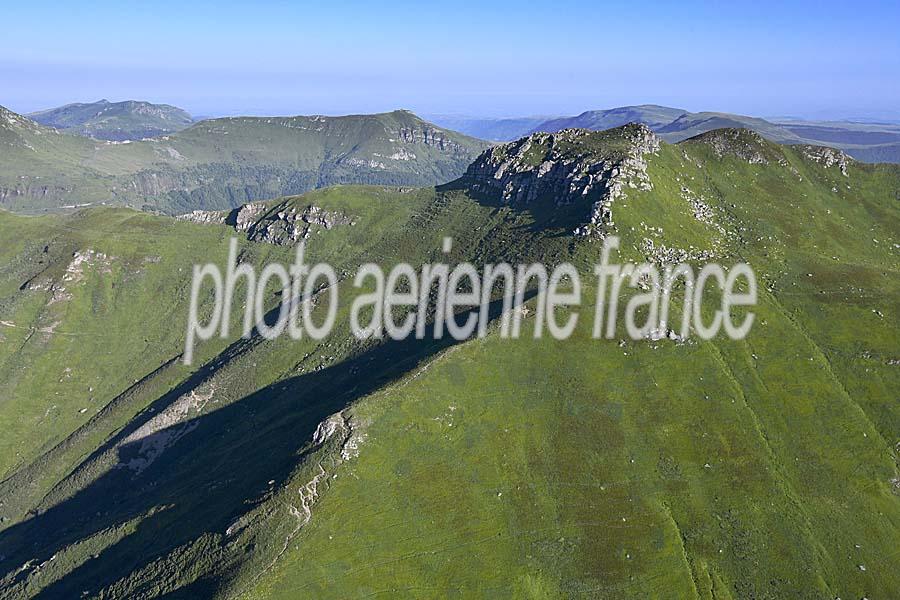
(504, 467)
(559, 469)
(223, 163)
(115, 121)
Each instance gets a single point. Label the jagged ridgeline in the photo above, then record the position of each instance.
(222, 163)
(761, 468)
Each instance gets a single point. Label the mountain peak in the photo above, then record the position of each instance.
(743, 143)
(652, 115)
(573, 144)
(572, 166)
(116, 121)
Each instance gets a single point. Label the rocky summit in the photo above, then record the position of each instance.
(568, 167)
(744, 144)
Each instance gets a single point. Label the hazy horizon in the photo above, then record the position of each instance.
(814, 61)
(888, 117)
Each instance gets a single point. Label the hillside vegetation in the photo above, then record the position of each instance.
(223, 163)
(115, 121)
(606, 468)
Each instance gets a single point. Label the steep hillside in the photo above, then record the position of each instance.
(761, 468)
(222, 163)
(115, 121)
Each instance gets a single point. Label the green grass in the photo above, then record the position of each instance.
(222, 163)
(118, 121)
(741, 469)
(495, 467)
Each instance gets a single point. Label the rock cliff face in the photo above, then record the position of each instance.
(571, 166)
(247, 215)
(35, 191)
(430, 137)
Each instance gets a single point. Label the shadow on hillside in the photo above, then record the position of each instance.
(205, 479)
(544, 212)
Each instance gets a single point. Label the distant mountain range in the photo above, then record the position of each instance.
(115, 121)
(491, 129)
(650, 115)
(864, 140)
(222, 163)
(869, 142)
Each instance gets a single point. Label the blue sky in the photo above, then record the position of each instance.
(815, 59)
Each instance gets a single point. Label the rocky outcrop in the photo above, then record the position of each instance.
(289, 225)
(204, 217)
(74, 274)
(248, 214)
(284, 225)
(744, 144)
(242, 218)
(828, 157)
(571, 166)
(430, 137)
(32, 191)
(18, 124)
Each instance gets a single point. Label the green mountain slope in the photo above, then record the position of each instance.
(760, 468)
(222, 163)
(115, 121)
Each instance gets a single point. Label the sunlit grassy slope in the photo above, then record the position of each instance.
(764, 468)
(222, 163)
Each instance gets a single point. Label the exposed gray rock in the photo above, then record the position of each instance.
(745, 144)
(248, 214)
(828, 157)
(290, 225)
(662, 254)
(205, 217)
(573, 165)
(430, 137)
(283, 225)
